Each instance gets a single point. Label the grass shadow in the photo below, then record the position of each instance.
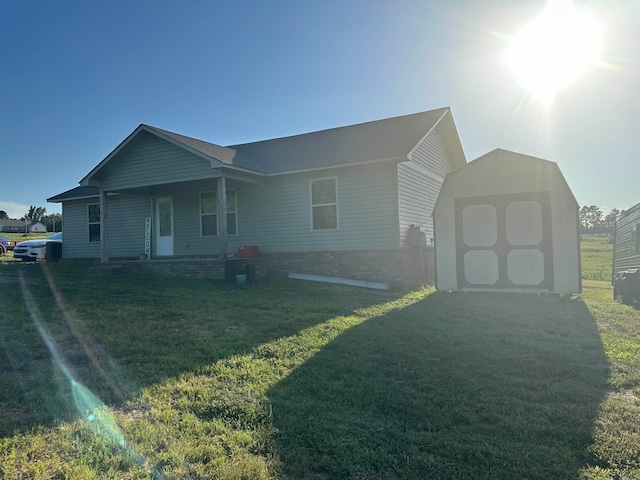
(117, 333)
(474, 385)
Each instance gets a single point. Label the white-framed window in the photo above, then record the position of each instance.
(93, 217)
(324, 203)
(209, 213)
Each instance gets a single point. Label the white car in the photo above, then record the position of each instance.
(32, 250)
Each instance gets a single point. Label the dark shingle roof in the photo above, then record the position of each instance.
(380, 140)
(391, 138)
(225, 155)
(75, 194)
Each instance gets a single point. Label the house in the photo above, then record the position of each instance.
(339, 202)
(20, 226)
(507, 222)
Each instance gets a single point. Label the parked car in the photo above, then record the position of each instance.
(32, 250)
(6, 245)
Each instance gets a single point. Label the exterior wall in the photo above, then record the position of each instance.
(75, 227)
(37, 227)
(622, 253)
(152, 161)
(125, 230)
(504, 173)
(276, 215)
(419, 182)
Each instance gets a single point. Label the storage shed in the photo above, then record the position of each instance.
(507, 222)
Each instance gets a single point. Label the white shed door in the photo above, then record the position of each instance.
(504, 242)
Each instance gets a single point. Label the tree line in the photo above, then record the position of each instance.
(52, 222)
(592, 217)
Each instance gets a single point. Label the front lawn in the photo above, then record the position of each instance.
(116, 375)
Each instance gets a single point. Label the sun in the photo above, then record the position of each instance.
(555, 49)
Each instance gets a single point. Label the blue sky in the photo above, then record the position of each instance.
(79, 76)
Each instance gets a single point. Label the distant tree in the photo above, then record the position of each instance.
(611, 217)
(53, 222)
(35, 214)
(590, 217)
(3, 214)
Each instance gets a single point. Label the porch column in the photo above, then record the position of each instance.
(104, 215)
(222, 216)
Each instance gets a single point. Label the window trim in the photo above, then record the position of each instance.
(89, 222)
(311, 205)
(234, 212)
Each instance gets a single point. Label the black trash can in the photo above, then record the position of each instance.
(53, 251)
(233, 267)
(250, 270)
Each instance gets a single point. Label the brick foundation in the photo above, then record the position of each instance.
(402, 269)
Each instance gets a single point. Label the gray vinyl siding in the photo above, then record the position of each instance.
(125, 230)
(623, 257)
(276, 215)
(431, 154)
(153, 161)
(125, 227)
(419, 183)
(75, 227)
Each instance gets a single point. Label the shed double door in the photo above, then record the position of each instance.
(503, 242)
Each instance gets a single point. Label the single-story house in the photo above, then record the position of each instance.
(20, 226)
(507, 222)
(345, 202)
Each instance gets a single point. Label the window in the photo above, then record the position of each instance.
(635, 240)
(209, 213)
(324, 204)
(94, 222)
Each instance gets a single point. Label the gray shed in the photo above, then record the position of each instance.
(507, 222)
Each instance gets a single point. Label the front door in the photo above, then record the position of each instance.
(504, 242)
(164, 227)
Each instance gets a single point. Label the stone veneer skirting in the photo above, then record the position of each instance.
(402, 269)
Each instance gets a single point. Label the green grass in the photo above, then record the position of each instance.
(597, 258)
(164, 377)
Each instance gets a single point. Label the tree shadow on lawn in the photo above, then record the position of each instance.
(474, 385)
(116, 333)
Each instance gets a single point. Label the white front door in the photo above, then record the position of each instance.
(164, 226)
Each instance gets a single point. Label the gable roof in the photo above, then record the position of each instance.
(388, 139)
(503, 166)
(10, 222)
(380, 140)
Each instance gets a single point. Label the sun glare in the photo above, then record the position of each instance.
(555, 49)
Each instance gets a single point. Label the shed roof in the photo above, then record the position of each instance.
(501, 164)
